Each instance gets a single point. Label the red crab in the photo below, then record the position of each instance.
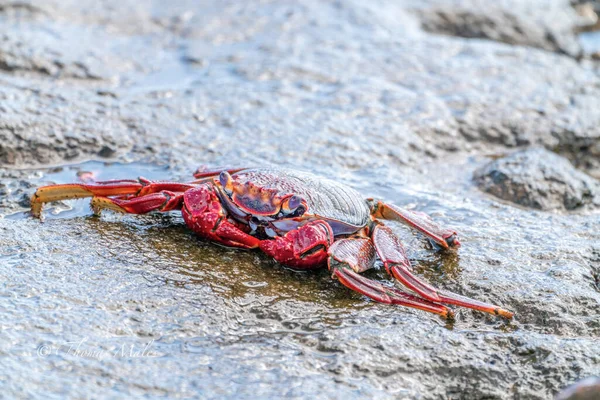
(301, 220)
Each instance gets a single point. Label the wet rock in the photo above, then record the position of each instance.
(42, 52)
(45, 125)
(15, 192)
(587, 389)
(257, 82)
(546, 25)
(588, 11)
(582, 149)
(539, 179)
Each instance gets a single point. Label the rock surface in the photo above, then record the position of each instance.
(507, 21)
(357, 91)
(539, 179)
(587, 389)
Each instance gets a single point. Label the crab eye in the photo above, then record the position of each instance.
(226, 181)
(291, 204)
(294, 202)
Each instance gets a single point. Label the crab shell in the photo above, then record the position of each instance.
(283, 199)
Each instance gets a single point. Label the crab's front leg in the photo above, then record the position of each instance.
(422, 222)
(204, 214)
(396, 263)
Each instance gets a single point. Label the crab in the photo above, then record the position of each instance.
(301, 220)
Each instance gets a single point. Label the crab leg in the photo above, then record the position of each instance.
(392, 253)
(162, 201)
(122, 187)
(203, 172)
(420, 221)
(348, 257)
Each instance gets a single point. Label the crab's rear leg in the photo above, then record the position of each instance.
(422, 222)
(122, 188)
(312, 244)
(349, 257)
(392, 253)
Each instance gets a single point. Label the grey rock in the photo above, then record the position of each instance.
(462, 99)
(586, 389)
(539, 179)
(42, 125)
(546, 25)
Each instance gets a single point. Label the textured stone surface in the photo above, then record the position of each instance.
(587, 389)
(181, 76)
(357, 91)
(543, 24)
(539, 179)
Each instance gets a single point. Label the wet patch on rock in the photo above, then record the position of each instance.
(539, 179)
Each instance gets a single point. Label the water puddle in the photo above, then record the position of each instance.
(91, 170)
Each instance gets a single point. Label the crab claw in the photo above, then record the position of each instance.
(303, 248)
